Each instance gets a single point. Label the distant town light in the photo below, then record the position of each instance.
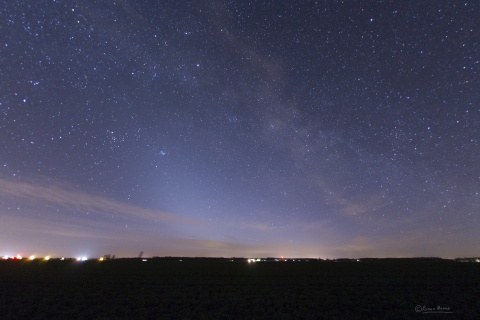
(84, 258)
(62, 258)
(79, 259)
(146, 260)
(5, 257)
(101, 259)
(32, 257)
(19, 257)
(47, 258)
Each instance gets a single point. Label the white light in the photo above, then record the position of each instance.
(101, 259)
(5, 257)
(79, 259)
(84, 258)
(32, 258)
(19, 257)
(62, 258)
(146, 260)
(47, 258)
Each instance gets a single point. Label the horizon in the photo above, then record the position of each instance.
(254, 259)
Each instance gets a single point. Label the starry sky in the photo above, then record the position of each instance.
(240, 128)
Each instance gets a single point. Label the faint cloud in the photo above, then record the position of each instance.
(416, 243)
(33, 227)
(50, 195)
(360, 204)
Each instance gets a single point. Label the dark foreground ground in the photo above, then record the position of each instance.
(222, 289)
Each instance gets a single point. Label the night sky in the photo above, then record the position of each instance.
(234, 128)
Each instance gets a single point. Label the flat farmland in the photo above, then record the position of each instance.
(225, 289)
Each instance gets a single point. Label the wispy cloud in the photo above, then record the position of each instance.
(367, 203)
(50, 194)
(429, 242)
(32, 227)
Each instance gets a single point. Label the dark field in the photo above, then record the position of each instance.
(222, 289)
